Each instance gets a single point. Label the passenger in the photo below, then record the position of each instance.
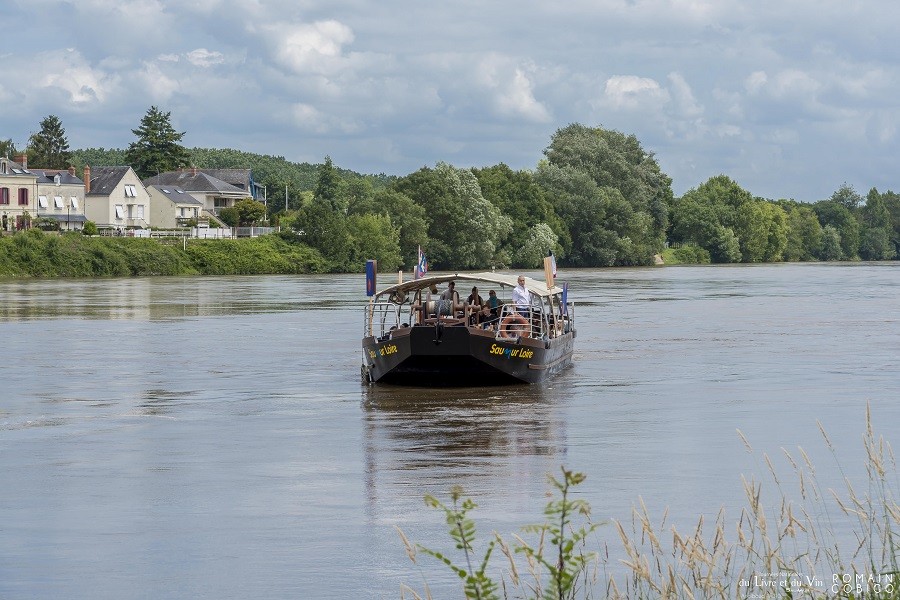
(447, 304)
(474, 299)
(521, 297)
(449, 292)
(493, 303)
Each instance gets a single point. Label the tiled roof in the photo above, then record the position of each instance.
(105, 179)
(236, 177)
(65, 178)
(193, 182)
(176, 194)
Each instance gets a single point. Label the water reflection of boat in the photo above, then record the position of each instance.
(412, 336)
(427, 438)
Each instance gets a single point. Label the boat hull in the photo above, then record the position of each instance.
(428, 355)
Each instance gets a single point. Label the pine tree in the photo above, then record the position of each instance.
(327, 184)
(157, 148)
(49, 147)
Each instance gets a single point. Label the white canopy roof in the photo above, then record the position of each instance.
(538, 288)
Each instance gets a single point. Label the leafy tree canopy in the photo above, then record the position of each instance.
(464, 229)
(49, 148)
(157, 148)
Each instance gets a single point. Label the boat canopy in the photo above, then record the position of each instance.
(536, 287)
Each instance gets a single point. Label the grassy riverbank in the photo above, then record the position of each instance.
(37, 254)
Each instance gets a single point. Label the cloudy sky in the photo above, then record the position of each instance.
(791, 98)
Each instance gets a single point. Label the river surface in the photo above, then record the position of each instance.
(210, 437)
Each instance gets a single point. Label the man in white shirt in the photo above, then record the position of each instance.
(521, 297)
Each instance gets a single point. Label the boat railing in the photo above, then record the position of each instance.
(381, 318)
(517, 322)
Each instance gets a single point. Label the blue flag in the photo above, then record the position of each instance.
(371, 273)
(565, 299)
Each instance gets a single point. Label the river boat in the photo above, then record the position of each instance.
(413, 337)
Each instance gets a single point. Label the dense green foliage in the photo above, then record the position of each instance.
(733, 226)
(49, 148)
(598, 199)
(157, 148)
(245, 213)
(34, 253)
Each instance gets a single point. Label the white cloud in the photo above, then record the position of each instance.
(510, 88)
(630, 92)
(156, 84)
(68, 71)
(201, 57)
(309, 47)
(684, 96)
(755, 81)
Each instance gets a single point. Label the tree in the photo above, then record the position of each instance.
(519, 196)
(327, 184)
(715, 215)
(326, 230)
(847, 197)
(598, 219)
(157, 148)
(804, 234)
(8, 148)
(464, 229)
(831, 244)
(245, 213)
(49, 147)
(406, 215)
(375, 237)
(615, 160)
(877, 229)
(538, 240)
(846, 225)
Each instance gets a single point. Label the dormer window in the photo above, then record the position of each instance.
(130, 191)
(4, 169)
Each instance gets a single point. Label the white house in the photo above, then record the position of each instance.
(171, 207)
(60, 196)
(115, 198)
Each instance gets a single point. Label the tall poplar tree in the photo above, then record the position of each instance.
(157, 148)
(49, 147)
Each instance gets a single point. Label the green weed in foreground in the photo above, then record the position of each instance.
(559, 549)
(783, 550)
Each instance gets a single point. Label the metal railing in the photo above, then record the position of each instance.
(380, 318)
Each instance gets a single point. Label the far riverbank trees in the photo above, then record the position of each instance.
(597, 199)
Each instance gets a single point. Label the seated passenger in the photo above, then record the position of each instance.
(493, 303)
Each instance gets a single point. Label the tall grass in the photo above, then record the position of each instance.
(783, 543)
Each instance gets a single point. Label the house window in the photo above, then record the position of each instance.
(140, 211)
(4, 194)
(3, 168)
(73, 202)
(23, 196)
(220, 202)
(57, 201)
(130, 191)
(120, 211)
(42, 201)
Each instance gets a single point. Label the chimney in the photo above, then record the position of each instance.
(193, 171)
(72, 171)
(22, 159)
(87, 179)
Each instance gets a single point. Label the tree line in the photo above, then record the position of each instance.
(596, 199)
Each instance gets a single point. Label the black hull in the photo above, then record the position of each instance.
(426, 355)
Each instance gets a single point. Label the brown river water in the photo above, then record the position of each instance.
(211, 437)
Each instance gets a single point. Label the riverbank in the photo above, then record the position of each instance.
(37, 254)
